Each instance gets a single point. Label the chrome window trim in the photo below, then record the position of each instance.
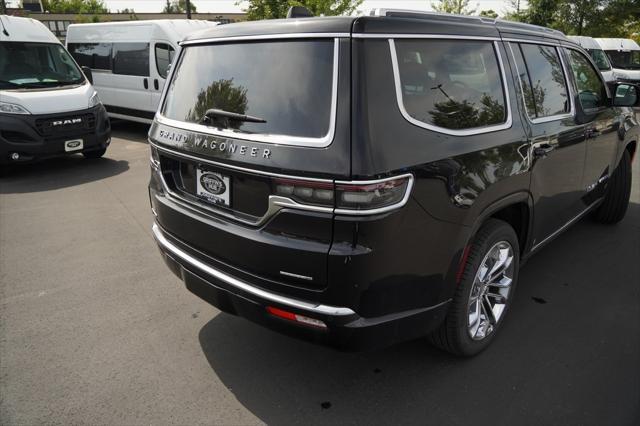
(556, 117)
(528, 41)
(234, 167)
(379, 210)
(264, 37)
(238, 284)
(464, 132)
(423, 36)
(321, 142)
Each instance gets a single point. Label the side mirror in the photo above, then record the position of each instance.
(87, 73)
(625, 95)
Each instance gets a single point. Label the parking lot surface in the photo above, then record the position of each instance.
(94, 329)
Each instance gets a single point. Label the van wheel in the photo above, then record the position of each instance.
(616, 200)
(95, 154)
(484, 293)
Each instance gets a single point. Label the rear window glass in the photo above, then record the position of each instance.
(454, 84)
(289, 84)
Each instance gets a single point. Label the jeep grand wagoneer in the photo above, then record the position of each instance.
(359, 181)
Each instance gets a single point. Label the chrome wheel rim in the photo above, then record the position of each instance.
(490, 291)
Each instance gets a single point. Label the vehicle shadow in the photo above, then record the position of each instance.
(129, 130)
(59, 173)
(535, 368)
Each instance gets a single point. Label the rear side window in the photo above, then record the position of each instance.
(131, 59)
(451, 84)
(164, 57)
(542, 79)
(591, 90)
(96, 56)
(288, 84)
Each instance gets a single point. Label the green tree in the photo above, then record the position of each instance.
(221, 94)
(276, 9)
(178, 6)
(489, 13)
(458, 7)
(75, 6)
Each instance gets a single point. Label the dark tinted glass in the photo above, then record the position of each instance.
(288, 84)
(96, 56)
(455, 84)
(525, 81)
(629, 59)
(131, 59)
(548, 83)
(164, 57)
(600, 58)
(591, 90)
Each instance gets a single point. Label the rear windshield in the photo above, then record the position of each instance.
(36, 65)
(288, 84)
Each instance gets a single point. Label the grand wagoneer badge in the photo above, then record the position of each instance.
(223, 147)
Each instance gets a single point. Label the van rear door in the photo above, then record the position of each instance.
(250, 138)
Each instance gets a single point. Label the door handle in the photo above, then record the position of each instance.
(592, 133)
(155, 84)
(146, 83)
(542, 150)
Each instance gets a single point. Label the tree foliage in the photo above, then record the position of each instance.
(74, 6)
(276, 9)
(178, 6)
(489, 13)
(459, 7)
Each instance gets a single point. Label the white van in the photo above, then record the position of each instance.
(130, 61)
(48, 107)
(597, 54)
(624, 55)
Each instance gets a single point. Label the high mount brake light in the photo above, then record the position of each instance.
(355, 196)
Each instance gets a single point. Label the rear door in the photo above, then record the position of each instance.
(236, 177)
(162, 55)
(558, 142)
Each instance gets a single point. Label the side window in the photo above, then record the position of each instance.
(131, 59)
(452, 84)
(164, 58)
(96, 56)
(591, 90)
(543, 80)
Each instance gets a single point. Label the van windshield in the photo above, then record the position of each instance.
(287, 84)
(600, 58)
(36, 65)
(629, 59)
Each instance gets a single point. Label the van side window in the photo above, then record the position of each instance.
(546, 80)
(591, 90)
(164, 58)
(131, 59)
(452, 84)
(96, 56)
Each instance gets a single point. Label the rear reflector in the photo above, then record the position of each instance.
(296, 318)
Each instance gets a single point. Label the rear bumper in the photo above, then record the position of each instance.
(19, 134)
(345, 330)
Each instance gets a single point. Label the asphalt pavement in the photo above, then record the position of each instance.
(94, 329)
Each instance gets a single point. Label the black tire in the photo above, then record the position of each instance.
(454, 334)
(616, 200)
(94, 154)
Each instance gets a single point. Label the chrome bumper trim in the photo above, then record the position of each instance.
(294, 303)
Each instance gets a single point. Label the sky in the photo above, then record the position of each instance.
(228, 6)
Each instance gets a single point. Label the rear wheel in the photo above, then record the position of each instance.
(94, 154)
(615, 203)
(484, 292)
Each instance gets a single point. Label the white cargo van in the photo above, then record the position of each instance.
(130, 61)
(597, 54)
(624, 55)
(48, 107)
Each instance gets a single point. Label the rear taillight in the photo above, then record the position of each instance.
(372, 195)
(354, 197)
(301, 319)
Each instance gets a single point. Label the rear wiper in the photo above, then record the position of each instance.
(221, 118)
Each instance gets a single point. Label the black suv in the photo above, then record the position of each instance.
(359, 181)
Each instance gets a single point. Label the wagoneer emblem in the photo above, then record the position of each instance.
(212, 183)
(66, 122)
(73, 144)
(212, 144)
